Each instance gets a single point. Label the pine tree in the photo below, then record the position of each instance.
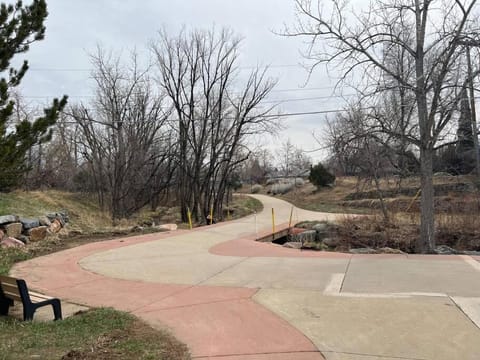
(320, 176)
(20, 26)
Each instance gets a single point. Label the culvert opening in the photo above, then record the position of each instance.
(282, 240)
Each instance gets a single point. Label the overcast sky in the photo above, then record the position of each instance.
(60, 64)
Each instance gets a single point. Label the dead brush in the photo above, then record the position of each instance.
(374, 232)
(460, 231)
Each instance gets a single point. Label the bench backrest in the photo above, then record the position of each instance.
(9, 288)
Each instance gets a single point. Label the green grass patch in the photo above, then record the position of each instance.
(94, 334)
(10, 256)
(243, 205)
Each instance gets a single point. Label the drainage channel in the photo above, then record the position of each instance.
(279, 237)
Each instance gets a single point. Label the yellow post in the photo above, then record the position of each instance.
(290, 221)
(228, 214)
(273, 223)
(211, 214)
(189, 214)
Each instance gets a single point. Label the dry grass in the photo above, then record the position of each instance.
(457, 212)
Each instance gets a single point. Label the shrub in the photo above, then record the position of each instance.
(319, 176)
(256, 189)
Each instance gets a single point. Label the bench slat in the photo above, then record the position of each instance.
(10, 288)
(13, 296)
(36, 299)
(7, 288)
(8, 280)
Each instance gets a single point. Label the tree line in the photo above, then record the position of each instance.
(176, 127)
(413, 64)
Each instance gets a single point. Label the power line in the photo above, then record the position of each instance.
(54, 69)
(268, 116)
(272, 91)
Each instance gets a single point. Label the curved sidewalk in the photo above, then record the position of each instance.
(229, 297)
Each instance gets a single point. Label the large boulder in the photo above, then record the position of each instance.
(38, 233)
(306, 236)
(55, 226)
(445, 250)
(23, 238)
(363, 251)
(29, 223)
(13, 230)
(62, 216)
(44, 221)
(320, 228)
(331, 242)
(293, 245)
(168, 227)
(5, 219)
(10, 242)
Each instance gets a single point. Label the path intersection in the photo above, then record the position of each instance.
(229, 297)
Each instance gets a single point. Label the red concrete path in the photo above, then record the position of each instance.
(215, 322)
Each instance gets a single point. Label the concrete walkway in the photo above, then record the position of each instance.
(229, 297)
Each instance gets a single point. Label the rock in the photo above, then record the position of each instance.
(306, 236)
(445, 250)
(29, 223)
(23, 238)
(44, 221)
(331, 242)
(38, 233)
(168, 227)
(11, 242)
(5, 219)
(387, 250)
(293, 245)
(471, 253)
(295, 231)
(55, 227)
(442, 174)
(61, 216)
(64, 215)
(363, 251)
(2, 234)
(14, 229)
(320, 227)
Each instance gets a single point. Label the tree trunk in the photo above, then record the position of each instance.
(426, 242)
(474, 114)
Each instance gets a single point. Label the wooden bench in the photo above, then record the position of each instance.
(12, 289)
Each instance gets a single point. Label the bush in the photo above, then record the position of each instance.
(320, 177)
(256, 189)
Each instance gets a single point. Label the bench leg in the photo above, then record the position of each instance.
(57, 309)
(28, 312)
(5, 305)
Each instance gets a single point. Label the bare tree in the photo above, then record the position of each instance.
(362, 41)
(292, 161)
(354, 141)
(126, 142)
(197, 70)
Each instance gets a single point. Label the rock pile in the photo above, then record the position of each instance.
(319, 235)
(16, 231)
